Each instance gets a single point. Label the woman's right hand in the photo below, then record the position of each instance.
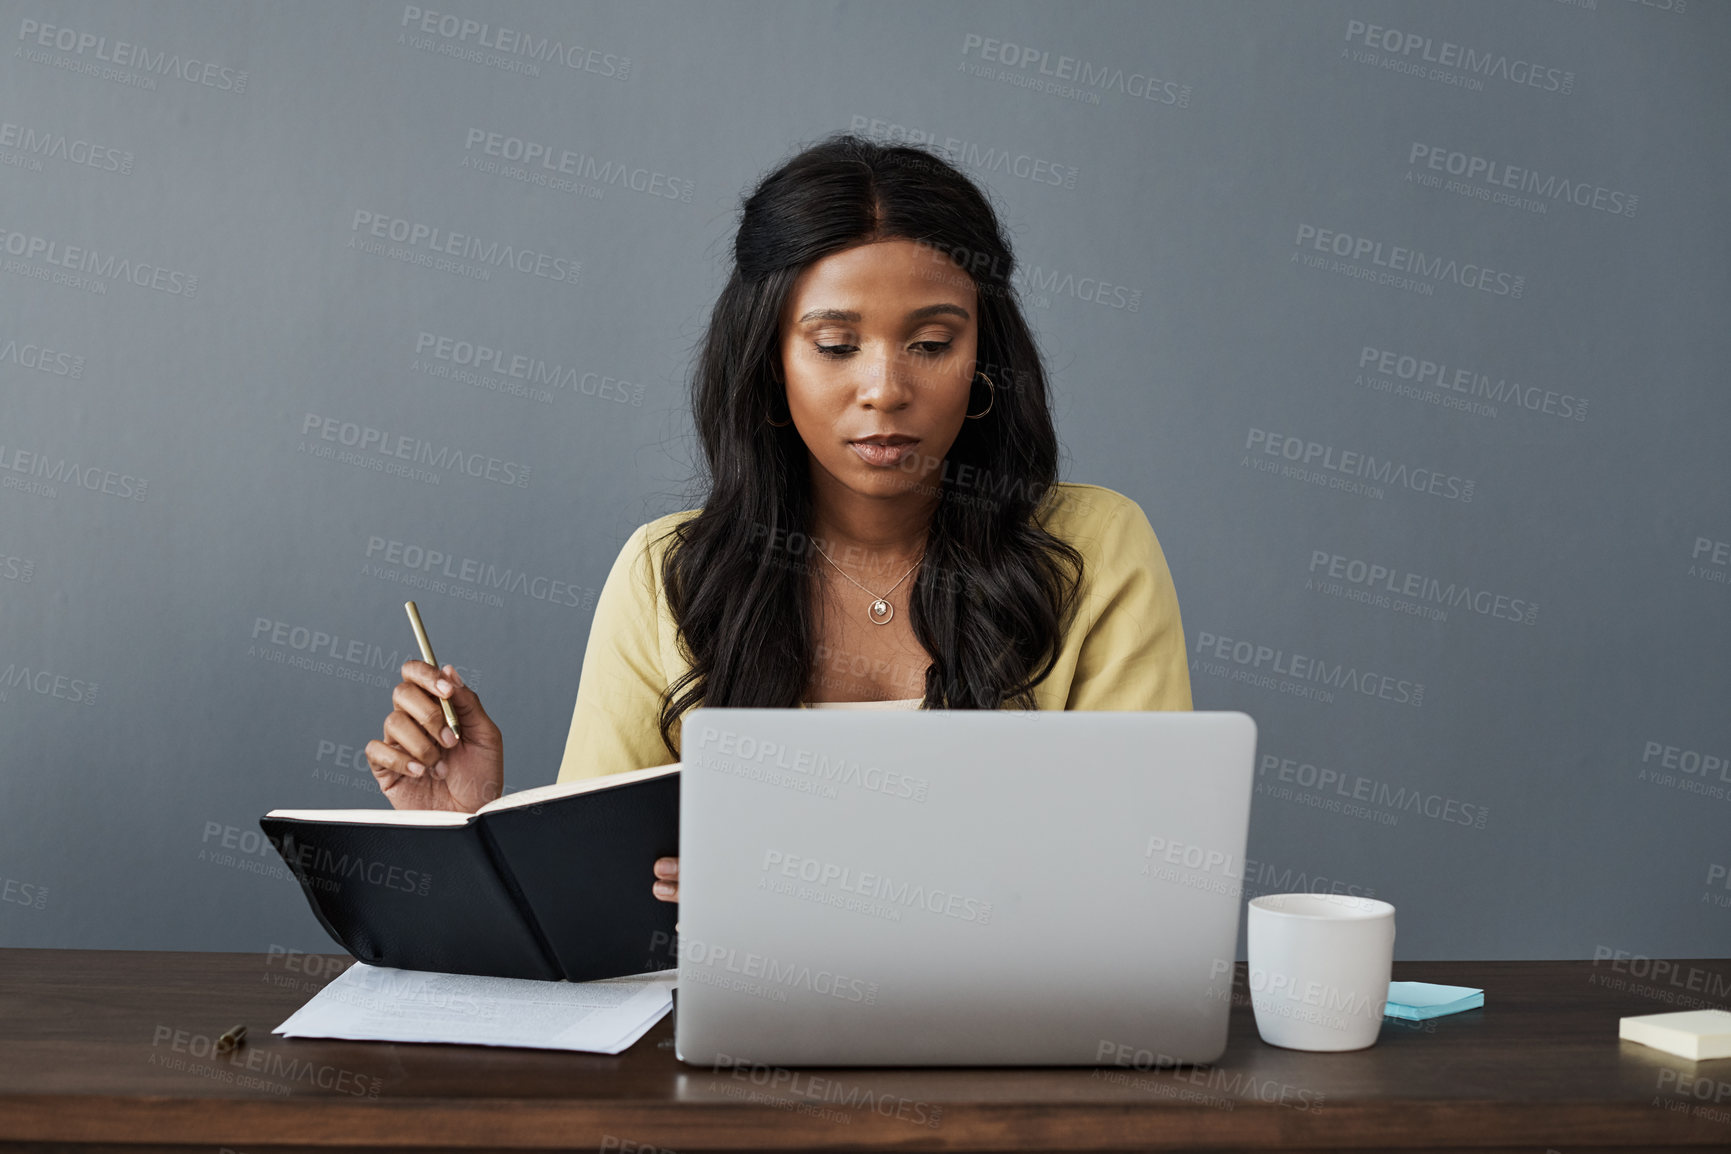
(420, 764)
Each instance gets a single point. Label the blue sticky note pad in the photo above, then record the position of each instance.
(1417, 1001)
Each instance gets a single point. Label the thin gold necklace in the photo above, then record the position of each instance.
(880, 612)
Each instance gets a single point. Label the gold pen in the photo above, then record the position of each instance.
(427, 656)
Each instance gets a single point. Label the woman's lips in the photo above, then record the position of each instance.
(884, 453)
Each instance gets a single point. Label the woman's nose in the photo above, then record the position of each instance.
(885, 381)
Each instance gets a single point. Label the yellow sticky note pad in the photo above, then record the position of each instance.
(1694, 1034)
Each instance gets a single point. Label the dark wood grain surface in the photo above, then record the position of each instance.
(115, 1049)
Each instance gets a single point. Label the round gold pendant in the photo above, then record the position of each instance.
(881, 612)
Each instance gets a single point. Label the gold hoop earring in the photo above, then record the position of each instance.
(990, 401)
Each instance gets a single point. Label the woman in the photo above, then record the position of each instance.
(883, 527)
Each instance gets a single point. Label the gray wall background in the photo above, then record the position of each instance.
(212, 371)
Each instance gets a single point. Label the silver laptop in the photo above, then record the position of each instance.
(920, 888)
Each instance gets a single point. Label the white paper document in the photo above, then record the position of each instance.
(378, 1004)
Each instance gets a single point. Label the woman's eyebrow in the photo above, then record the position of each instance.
(918, 314)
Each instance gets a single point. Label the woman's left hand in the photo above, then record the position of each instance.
(667, 878)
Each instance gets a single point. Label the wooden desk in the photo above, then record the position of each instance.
(104, 1049)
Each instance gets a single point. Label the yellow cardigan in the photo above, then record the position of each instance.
(1124, 650)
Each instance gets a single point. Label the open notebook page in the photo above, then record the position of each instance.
(438, 817)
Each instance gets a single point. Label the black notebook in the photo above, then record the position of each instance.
(546, 883)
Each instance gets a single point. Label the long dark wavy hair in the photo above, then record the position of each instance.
(995, 591)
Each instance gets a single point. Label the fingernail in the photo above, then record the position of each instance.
(443, 686)
(664, 889)
(416, 768)
(439, 770)
(446, 736)
(457, 677)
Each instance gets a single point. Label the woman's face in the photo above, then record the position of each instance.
(877, 350)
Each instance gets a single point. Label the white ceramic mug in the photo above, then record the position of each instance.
(1319, 969)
